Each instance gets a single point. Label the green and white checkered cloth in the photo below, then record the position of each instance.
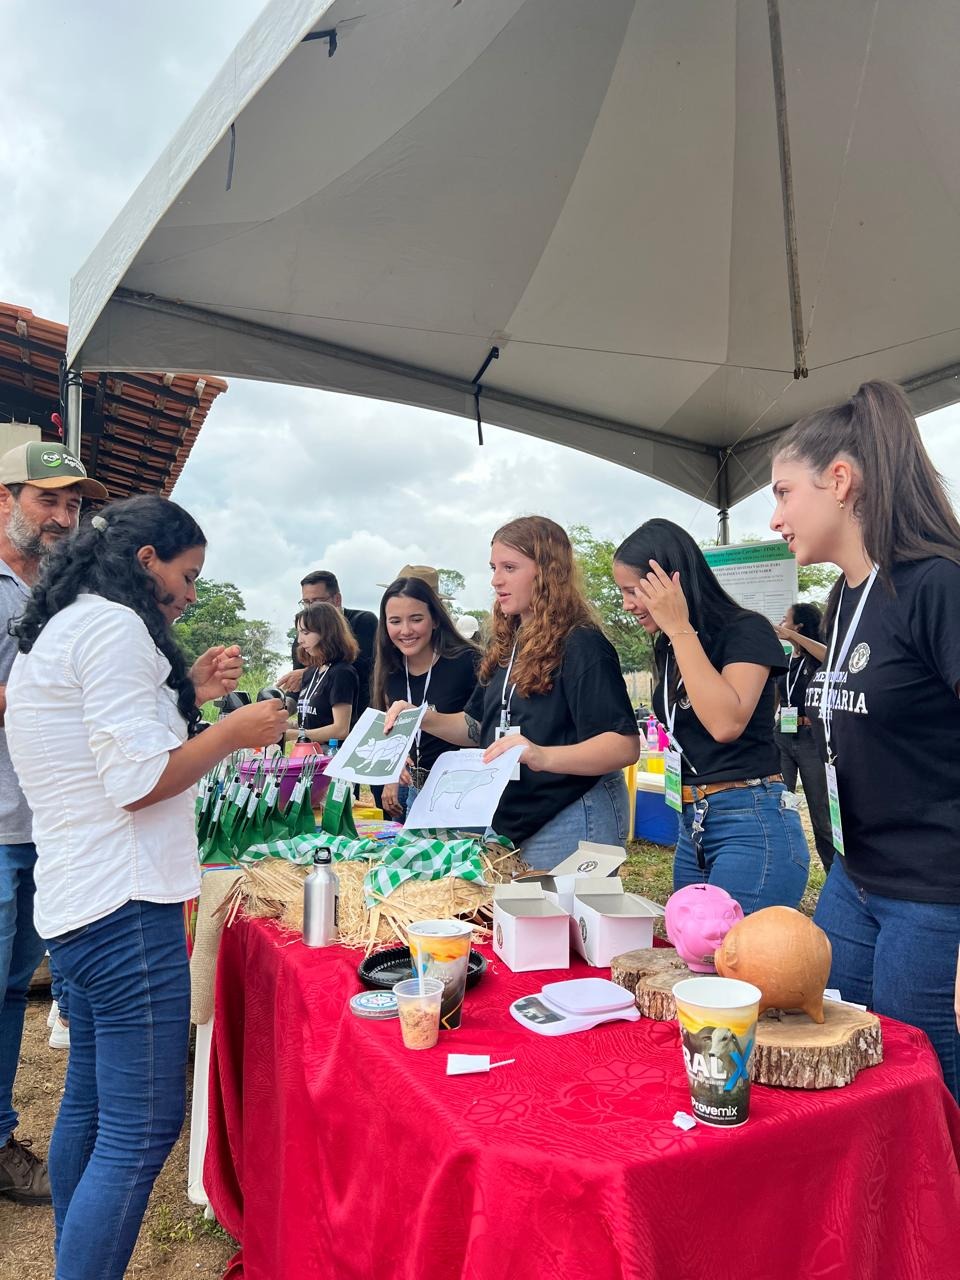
(301, 849)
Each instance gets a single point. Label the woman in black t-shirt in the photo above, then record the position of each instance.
(738, 825)
(328, 691)
(854, 486)
(550, 682)
(420, 657)
(799, 752)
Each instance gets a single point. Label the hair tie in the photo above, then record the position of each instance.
(98, 523)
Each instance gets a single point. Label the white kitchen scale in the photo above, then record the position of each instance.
(564, 1007)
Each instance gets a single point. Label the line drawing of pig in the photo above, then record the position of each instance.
(459, 783)
(380, 757)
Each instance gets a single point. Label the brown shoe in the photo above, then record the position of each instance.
(23, 1176)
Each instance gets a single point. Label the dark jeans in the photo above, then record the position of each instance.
(58, 992)
(20, 952)
(753, 846)
(123, 1104)
(799, 755)
(898, 958)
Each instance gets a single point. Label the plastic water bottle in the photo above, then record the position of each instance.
(653, 736)
(320, 903)
(332, 746)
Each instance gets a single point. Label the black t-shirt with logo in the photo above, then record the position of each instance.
(797, 677)
(755, 754)
(588, 697)
(895, 732)
(452, 681)
(320, 693)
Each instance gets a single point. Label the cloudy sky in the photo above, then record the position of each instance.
(282, 480)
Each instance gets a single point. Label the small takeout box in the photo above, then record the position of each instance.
(590, 860)
(529, 931)
(608, 921)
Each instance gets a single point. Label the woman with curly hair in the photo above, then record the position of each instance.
(101, 721)
(550, 682)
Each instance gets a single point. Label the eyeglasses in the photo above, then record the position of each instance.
(305, 604)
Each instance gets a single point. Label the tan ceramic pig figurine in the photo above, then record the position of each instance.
(782, 952)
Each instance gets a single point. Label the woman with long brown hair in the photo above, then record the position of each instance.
(550, 682)
(420, 657)
(328, 693)
(854, 486)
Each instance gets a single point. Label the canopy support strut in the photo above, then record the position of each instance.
(492, 354)
(73, 402)
(723, 499)
(786, 186)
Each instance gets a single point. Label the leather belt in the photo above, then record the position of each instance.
(692, 794)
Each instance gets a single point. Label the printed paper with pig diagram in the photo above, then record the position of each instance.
(462, 791)
(368, 755)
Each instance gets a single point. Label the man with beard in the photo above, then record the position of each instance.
(41, 488)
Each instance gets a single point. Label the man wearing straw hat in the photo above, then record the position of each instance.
(41, 488)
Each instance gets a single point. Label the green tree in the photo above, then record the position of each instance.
(217, 618)
(451, 583)
(594, 558)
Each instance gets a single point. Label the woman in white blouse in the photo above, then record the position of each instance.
(102, 723)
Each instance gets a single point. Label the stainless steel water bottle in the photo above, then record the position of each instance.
(320, 903)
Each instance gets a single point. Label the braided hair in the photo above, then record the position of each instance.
(102, 560)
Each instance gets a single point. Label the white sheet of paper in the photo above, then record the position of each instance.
(463, 1064)
(462, 791)
(369, 756)
(832, 993)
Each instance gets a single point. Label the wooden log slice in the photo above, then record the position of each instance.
(791, 1049)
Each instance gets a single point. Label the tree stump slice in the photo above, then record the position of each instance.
(791, 1050)
(795, 1052)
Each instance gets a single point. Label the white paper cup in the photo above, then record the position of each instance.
(441, 949)
(718, 1023)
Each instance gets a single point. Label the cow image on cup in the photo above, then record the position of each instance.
(718, 1023)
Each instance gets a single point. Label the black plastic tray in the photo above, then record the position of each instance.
(384, 969)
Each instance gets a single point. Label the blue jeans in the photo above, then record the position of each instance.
(21, 950)
(602, 815)
(405, 798)
(58, 992)
(124, 1101)
(898, 958)
(752, 846)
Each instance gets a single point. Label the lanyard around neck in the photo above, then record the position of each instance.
(791, 687)
(506, 701)
(426, 686)
(826, 710)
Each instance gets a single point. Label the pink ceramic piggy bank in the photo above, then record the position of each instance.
(698, 918)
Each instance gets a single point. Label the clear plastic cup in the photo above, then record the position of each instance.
(718, 1023)
(418, 1003)
(441, 949)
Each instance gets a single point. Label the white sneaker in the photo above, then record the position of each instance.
(60, 1035)
(53, 1015)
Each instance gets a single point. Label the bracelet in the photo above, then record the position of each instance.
(689, 632)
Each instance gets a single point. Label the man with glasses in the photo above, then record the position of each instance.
(321, 586)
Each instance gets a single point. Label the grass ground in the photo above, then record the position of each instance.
(176, 1241)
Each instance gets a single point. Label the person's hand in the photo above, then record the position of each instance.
(390, 800)
(533, 756)
(291, 682)
(393, 711)
(258, 724)
(216, 672)
(664, 600)
(785, 633)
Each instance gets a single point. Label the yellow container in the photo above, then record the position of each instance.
(630, 777)
(368, 813)
(653, 762)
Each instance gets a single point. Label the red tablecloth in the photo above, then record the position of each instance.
(336, 1153)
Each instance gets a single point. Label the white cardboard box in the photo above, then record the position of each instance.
(608, 921)
(593, 860)
(529, 931)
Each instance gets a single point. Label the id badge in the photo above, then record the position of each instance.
(788, 719)
(833, 797)
(507, 732)
(673, 785)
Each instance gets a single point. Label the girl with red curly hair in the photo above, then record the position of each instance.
(550, 682)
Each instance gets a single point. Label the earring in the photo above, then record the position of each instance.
(841, 504)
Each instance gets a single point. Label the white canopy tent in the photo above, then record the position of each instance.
(618, 224)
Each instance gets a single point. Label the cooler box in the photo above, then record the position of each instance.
(653, 819)
(289, 775)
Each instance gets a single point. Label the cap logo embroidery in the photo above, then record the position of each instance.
(51, 459)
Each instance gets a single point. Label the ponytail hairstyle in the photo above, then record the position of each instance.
(102, 560)
(710, 608)
(807, 619)
(558, 606)
(900, 499)
(447, 640)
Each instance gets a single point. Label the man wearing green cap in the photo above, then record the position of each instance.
(41, 488)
